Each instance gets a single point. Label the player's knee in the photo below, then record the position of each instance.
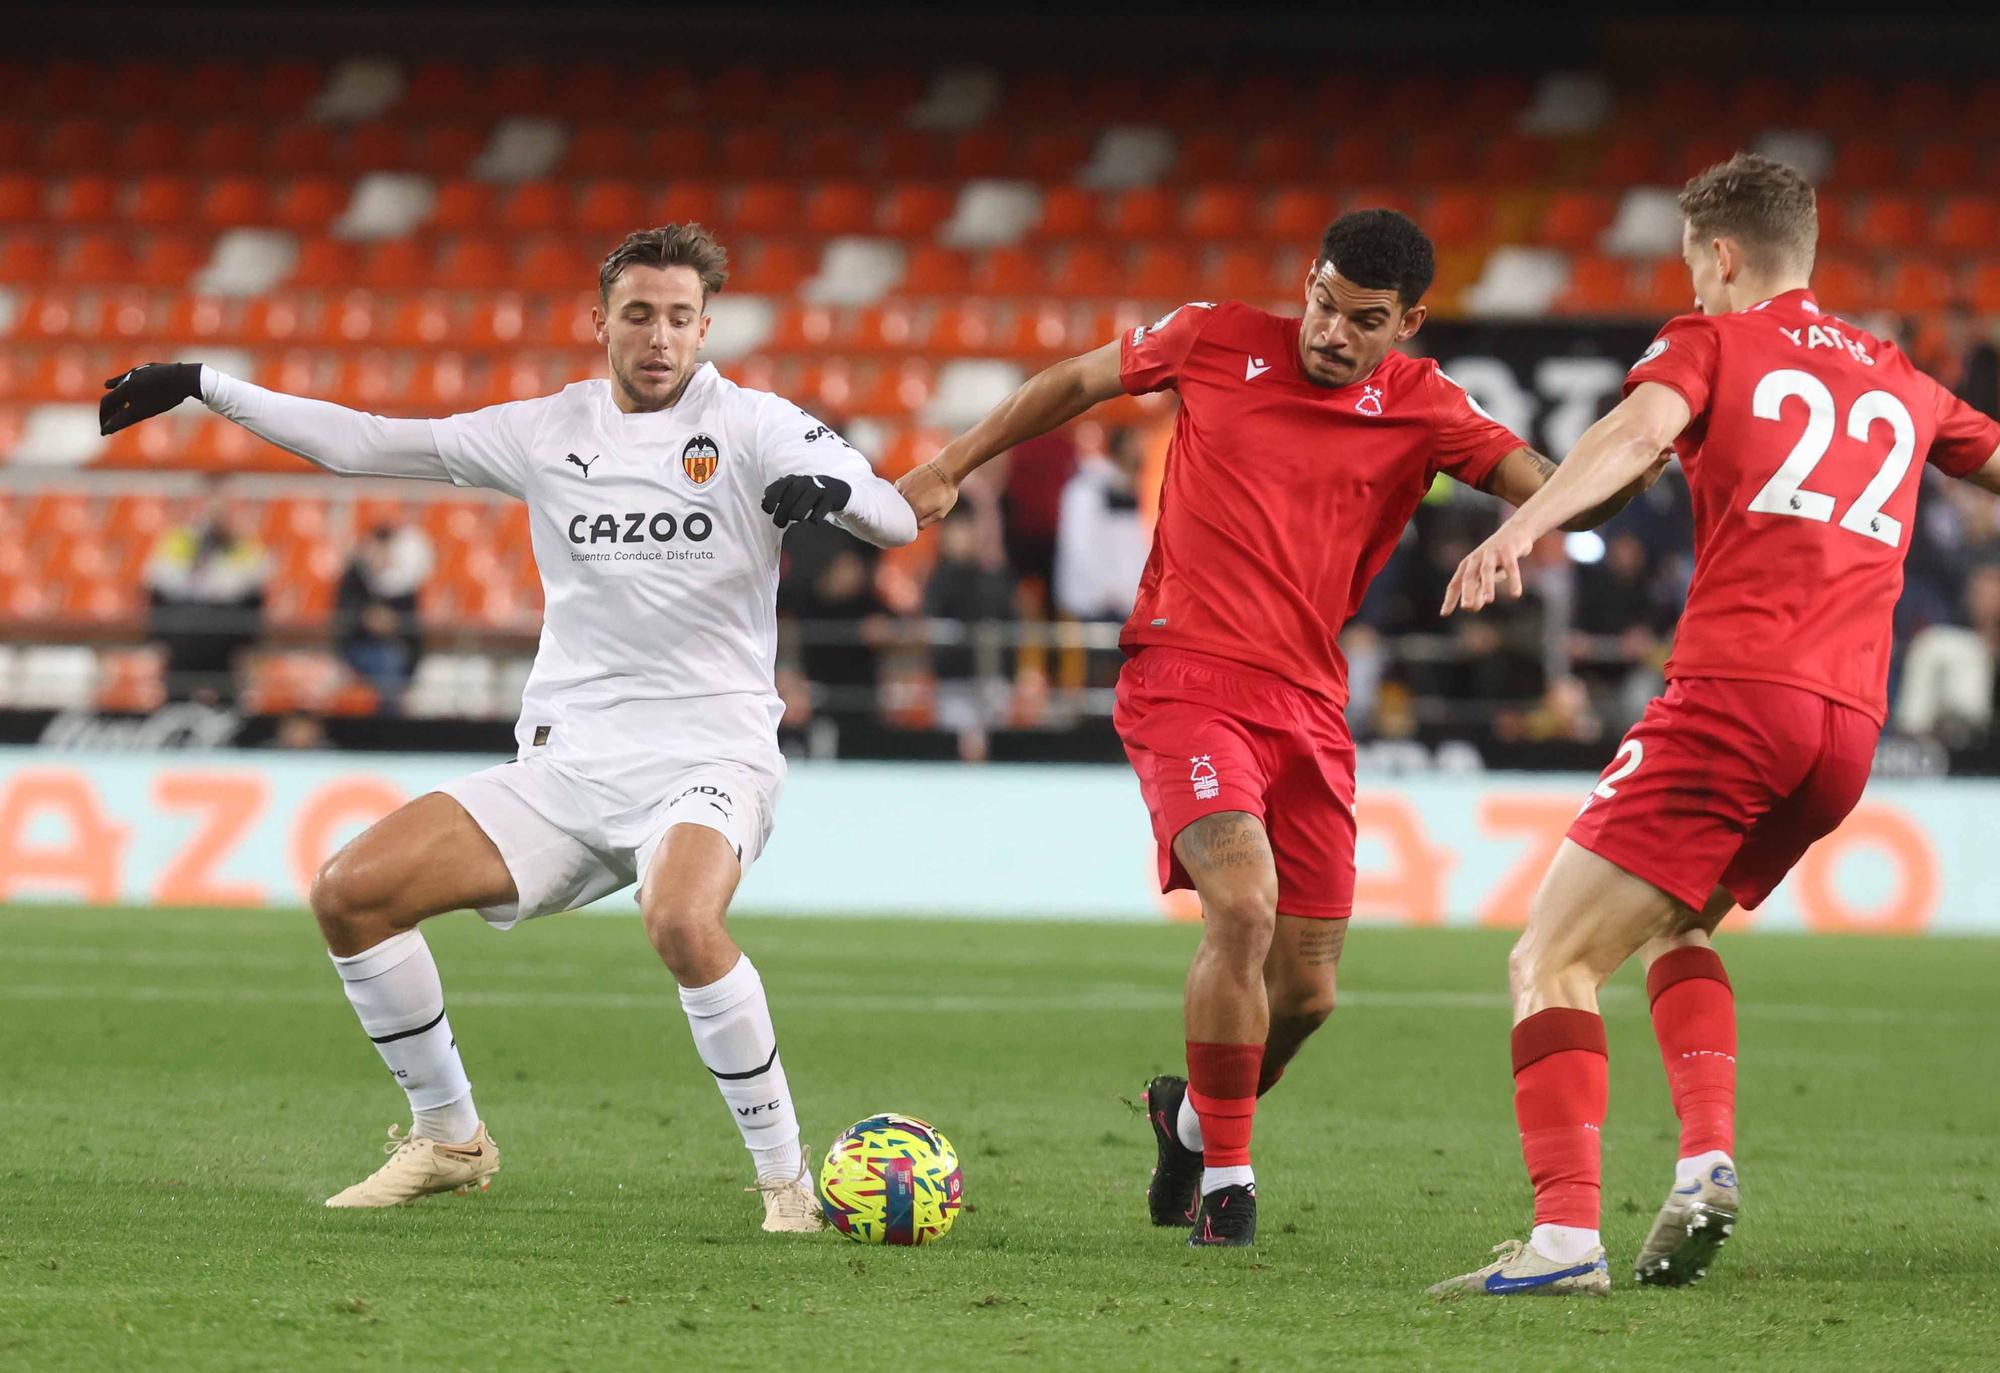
(689, 942)
(1242, 918)
(351, 913)
(1554, 975)
(1304, 1008)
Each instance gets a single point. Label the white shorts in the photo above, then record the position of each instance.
(569, 837)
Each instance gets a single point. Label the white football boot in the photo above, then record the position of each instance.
(420, 1166)
(792, 1207)
(1691, 1227)
(1520, 1269)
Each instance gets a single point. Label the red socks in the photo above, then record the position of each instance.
(1222, 1085)
(1560, 1094)
(1694, 1018)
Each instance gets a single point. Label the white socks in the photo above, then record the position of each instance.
(1215, 1179)
(394, 988)
(731, 1022)
(1563, 1243)
(1688, 1169)
(1187, 1125)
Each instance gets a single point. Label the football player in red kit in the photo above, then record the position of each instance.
(1803, 439)
(1301, 449)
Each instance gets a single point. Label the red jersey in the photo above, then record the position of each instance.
(1801, 458)
(1282, 499)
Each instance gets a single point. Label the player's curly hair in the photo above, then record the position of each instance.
(1380, 249)
(1763, 204)
(671, 245)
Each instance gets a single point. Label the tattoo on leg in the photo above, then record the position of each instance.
(1230, 840)
(1320, 943)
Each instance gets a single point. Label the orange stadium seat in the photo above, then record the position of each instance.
(1968, 224)
(1843, 104)
(125, 314)
(197, 319)
(463, 206)
(826, 152)
(967, 326)
(1764, 102)
(567, 324)
(228, 147)
(442, 383)
(681, 201)
(901, 389)
(133, 680)
(1069, 212)
(1985, 288)
(1896, 223)
(602, 150)
(1164, 271)
(20, 198)
(610, 207)
(891, 328)
(1009, 272)
(982, 152)
(775, 267)
(1665, 288)
(89, 198)
(1576, 219)
(349, 320)
(295, 370)
(1944, 165)
(1458, 218)
(1217, 211)
(377, 146)
(553, 265)
(806, 329)
(1089, 269)
(496, 321)
(1298, 215)
(1280, 155)
(1208, 155)
(1353, 159)
(310, 202)
(839, 207)
(1247, 273)
(367, 381)
(75, 144)
(1053, 156)
(437, 87)
(163, 201)
(537, 207)
(429, 320)
(326, 263)
(1515, 160)
(25, 260)
(1142, 214)
(232, 202)
(1039, 332)
(753, 152)
(914, 153)
(448, 149)
(1845, 284)
(169, 261)
(766, 207)
(1916, 283)
(1597, 286)
(283, 88)
(474, 264)
(1631, 159)
(17, 142)
(302, 150)
(146, 447)
(96, 258)
(915, 209)
(1862, 164)
(1436, 157)
(151, 145)
(57, 314)
(936, 271)
(395, 264)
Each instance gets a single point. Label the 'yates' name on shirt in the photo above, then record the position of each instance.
(1826, 336)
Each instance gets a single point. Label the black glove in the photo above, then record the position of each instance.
(150, 389)
(791, 499)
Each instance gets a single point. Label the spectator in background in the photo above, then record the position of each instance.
(1031, 508)
(828, 586)
(971, 591)
(375, 610)
(205, 590)
(1101, 538)
(298, 731)
(1970, 365)
(1618, 626)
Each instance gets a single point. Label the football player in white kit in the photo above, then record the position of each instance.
(648, 733)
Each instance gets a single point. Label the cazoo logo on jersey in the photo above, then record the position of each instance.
(640, 536)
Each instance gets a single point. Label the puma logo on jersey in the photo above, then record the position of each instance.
(581, 463)
(1254, 368)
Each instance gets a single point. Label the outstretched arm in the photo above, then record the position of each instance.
(1053, 396)
(1612, 455)
(346, 442)
(1518, 476)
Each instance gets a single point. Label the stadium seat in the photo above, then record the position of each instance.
(766, 207)
(395, 264)
(1845, 285)
(555, 265)
(1436, 158)
(1634, 159)
(1458, 218)
(536, 207)
(233, 202)
(893, 328)
(72, 144)
(447, 149)
(935, 271)
(1944, 165)
(1917, 283)
(775, 267)
(1892, 223)
(1598, 286)
(1089, 269)
(430, 320)
(1009, 272)
(911, 153)
(1968, 224)
(1515, 160)
(1208, 155)
(1069, 212)
(463, 206)
(132, 680)
(349, 320)
(839, 207)
(151, 146)
(1053, 155)
(84, 199)
(310, 203)
(1985, 288)
(1298, 216)
(610, 208)
(1278, 155)
(301, 150)
(231, 147)
(1250, 272)
(474, 264)
(825, 153)
(1866, 164)
(681, 201)
(602, 150)
(1164, 271)
(126, 314)
(1218, 211)
(915, 209)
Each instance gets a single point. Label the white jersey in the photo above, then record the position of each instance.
(659, 567)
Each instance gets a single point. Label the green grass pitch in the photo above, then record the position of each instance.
(179, 1090)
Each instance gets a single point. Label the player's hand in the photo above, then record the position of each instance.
(147, 390)
(1489, 569)
(788, 500)
(929, 491)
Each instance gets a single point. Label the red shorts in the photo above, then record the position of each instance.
(1727, 783)
(1207, 735)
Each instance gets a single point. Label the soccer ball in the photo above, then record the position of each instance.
(891, 1179)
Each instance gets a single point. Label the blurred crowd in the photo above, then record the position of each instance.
(1014, 622)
